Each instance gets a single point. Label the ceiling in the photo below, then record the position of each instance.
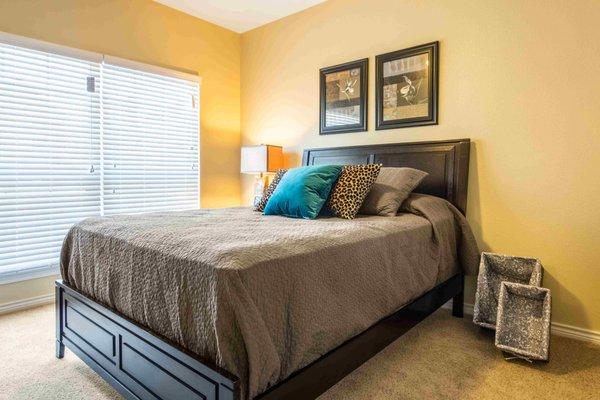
(240, 15)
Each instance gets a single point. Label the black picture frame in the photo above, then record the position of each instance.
(363, 66)
(432, 50)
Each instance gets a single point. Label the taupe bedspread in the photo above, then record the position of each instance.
(263, 296)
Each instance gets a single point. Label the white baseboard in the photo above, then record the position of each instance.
(573, 332)
(467, 308)
(25, 304)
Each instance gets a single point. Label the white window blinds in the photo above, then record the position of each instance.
(81, 138)
(48, 140)
(150, 141)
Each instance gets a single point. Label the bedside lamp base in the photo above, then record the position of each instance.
(260, 185)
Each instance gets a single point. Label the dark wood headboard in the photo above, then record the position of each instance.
(447, 163)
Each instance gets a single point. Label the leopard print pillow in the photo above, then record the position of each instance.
(263, 201)
(351, 189)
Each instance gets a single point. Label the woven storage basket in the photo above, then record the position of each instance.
(494, 269)
(523, 326)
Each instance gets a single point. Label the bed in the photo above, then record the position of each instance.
(230, 304)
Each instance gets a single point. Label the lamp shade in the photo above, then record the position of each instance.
(261, 159)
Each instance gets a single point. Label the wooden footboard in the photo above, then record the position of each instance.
(141, 365)
(135, 362)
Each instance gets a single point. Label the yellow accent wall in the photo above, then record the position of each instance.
(520, 78)
(148, 32)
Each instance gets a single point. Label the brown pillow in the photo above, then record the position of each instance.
(270, 189)
(351, 188)
(392, 187)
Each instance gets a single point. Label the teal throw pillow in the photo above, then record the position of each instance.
(303, 191)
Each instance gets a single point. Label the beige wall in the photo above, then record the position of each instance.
(145, 31)
(25, 290)
(520, 78)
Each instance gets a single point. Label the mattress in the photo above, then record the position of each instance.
(263, 296)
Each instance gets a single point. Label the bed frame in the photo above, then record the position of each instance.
(142, 365)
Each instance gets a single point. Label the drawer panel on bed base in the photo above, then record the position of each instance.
(160, 375)
(136, 363)
(95, 336)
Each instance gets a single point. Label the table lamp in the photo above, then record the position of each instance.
(261, 160)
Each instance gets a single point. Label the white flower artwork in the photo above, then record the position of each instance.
(407, 87)
(343, 98)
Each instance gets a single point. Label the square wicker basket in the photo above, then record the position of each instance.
(494, 269)
(523, 326)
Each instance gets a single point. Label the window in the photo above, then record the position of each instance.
(81, 137)
(149, 141)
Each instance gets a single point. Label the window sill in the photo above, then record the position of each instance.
(27, 274)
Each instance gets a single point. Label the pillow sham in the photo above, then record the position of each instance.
(303, 191)
(270, 189)
(391, 188)
(351, 189)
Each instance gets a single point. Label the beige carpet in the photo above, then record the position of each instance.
(442, 358)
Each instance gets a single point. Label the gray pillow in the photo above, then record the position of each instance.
(392, 187)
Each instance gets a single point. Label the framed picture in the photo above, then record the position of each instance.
(406, 90)
(343, 97)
